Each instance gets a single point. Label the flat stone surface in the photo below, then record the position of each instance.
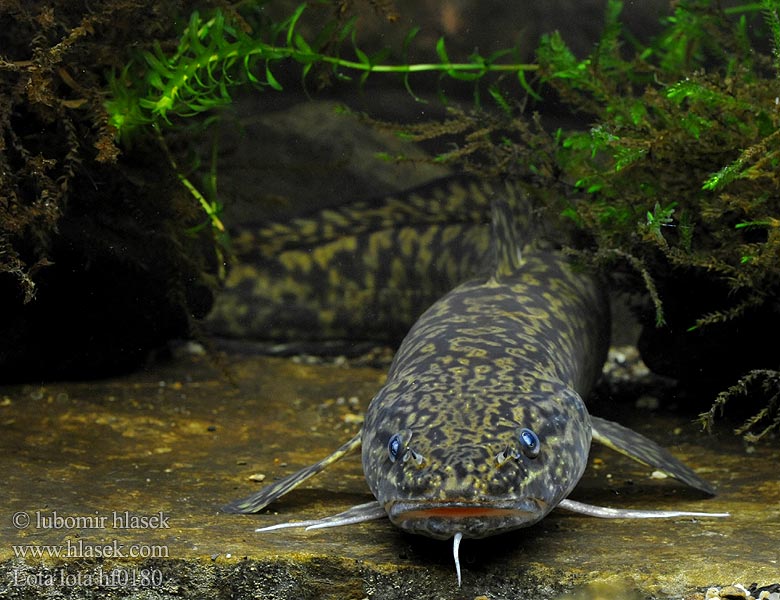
(82, 461)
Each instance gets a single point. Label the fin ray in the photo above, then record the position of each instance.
(259, 500)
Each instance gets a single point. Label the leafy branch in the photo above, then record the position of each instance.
(216, 54)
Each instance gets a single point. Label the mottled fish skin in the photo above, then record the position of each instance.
(481, 426)
(489, 359)
(364, 271)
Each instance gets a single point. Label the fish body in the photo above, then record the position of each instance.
(360, 272)
(493, 360)
(481, 426)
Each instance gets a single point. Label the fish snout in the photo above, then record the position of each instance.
(443, 519)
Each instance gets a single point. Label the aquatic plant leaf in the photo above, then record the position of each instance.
(625, 156)
(441, 50)
(771, 10)
(269, 77)
(527, 87)
(292, 22)
(500, 100)
(724, 176)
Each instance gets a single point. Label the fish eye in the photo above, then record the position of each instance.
(394, 446)
(529, 442)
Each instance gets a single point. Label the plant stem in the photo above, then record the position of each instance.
(207, 206)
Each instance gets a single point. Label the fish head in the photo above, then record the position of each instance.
(443, 462)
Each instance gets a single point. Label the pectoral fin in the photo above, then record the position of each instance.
(646, 451)
(264, 497)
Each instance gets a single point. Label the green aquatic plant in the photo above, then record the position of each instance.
(216, 54)
(683, 150)
(686, 150)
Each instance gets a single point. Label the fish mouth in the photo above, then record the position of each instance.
(443, 519)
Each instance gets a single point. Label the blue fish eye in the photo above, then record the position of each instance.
(394, 446)
(529, 443)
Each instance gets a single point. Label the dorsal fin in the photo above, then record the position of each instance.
(508, 255)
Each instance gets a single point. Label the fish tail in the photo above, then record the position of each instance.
(508, 251)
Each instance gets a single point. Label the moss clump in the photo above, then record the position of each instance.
(55, 129)
(681, 181)
(679, 170)
(94, 249)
